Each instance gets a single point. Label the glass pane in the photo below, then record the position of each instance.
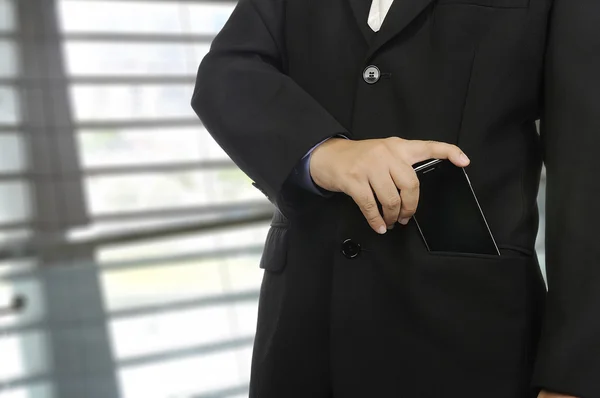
(23, 355)
(245, 314)
(155, 17)
(15, 202)
(169, 282)
(17, 266)
(123, 102)
(161, 284)
(7, 15)
(119, 147)
(133, 59)
(113, 226)
(8, 58)
(175, 330)
(10, 235)
(33, 390)
(244, 357)
(190, 244)
(183, 377)
(9, 106)
(12, 153)
(153, 191)
(208, 18)
(244, 274)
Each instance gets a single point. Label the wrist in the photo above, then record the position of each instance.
(322, 162)
(331, 143)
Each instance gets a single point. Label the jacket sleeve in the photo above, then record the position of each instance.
(261, 118)
(568, 359)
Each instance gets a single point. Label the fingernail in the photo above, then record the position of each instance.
(390, 227)
(382, 230)
(464, 158)
(404, 221)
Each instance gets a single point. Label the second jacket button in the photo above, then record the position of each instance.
(350, 248)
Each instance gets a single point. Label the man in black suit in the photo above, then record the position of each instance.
(352, 306)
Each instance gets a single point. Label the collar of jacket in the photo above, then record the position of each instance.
(399, 17)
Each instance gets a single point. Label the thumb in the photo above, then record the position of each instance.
(423, 150)
(459, 158)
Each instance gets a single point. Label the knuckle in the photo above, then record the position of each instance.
(405, 214)
(369, 206)
(393, 140)
(393, 202)
(409, 211)
(373, 220)
(354, 172)
(379, 149)
(413, 183)
(433, 146)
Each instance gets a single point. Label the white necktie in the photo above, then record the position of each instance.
(379, 9)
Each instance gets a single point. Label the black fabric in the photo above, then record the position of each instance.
(396, 320)
(569, 359)
(274, 254)
(490, 3)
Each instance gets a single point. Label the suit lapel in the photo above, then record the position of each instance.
(400, 15)
(360, 9)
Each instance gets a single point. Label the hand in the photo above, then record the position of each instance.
(546, 394)
(379, 167)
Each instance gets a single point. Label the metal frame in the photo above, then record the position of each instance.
(140, 37)
(101, 320)
(137, 169)
(140, 123)
(58, 244)
(163, 1)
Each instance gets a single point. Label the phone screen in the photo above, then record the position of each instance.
(448, 214)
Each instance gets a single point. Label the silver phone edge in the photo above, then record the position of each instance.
(417, 169)
(424, 166)
(481, 212)
(421, 233)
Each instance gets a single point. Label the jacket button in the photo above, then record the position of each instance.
(350, 248)
(371, 74)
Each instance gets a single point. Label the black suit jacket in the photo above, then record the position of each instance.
(396, 320)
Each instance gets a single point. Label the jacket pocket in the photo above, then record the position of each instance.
(506, 252)
(483, 307)
(274, 255)
(489, 3)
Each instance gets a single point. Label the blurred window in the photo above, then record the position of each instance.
(144, 17)
(147, 160)
(7, 16)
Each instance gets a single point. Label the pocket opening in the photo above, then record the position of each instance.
(506, 252)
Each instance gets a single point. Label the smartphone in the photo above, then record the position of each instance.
(448, 215)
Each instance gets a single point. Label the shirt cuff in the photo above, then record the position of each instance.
(301, 173)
